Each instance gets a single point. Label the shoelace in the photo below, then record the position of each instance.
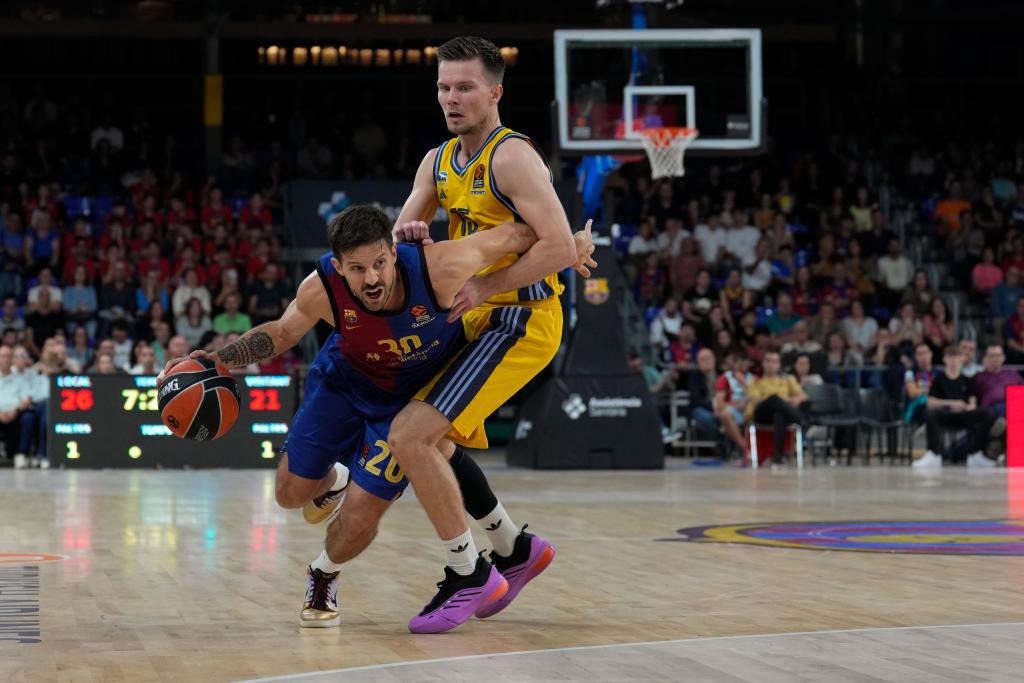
(321, 591)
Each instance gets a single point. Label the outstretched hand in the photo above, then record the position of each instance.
(584, 241)
(413, 231)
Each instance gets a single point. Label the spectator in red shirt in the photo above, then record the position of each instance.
(1013, 332)
(152, 260)
(80, 230)
(247, 245)
(187, 260)
(79, 256)
(257, 260)
(180, 214)
(145, 233)
(222, 263)
(149, 212)
(805, 298)
(214, 207)
(114, 256)
(119, 213)
(115, 234)
(220, 240)
(147, 186)
(43, 201)
(255, 212)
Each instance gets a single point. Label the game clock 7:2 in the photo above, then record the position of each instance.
(114, 421)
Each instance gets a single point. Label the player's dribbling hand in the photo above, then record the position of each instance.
(413, 231)
(198, 353)
(584, 241)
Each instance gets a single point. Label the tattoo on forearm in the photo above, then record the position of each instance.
(251, 348)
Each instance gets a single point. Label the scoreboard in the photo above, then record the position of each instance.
(114, 421)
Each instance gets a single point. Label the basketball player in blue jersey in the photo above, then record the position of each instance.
(483, 177)
(389, 306)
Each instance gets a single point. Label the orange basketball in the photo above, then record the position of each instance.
(199, 400)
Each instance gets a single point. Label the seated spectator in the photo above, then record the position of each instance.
(258, 259)
(43, 319)
(774, 399)
(232, 320)
(151, 291)
(699, 299)
(724, 343)
(803, 373)
(145, 326)
(670, 242)
(78, 257)
(734, 298)
(758, 275)
(643, 243)
(907, 329)
(268, 297)
(917, 383)
(682, 350)
(685, 268)
(188, 290)
(731, 398)
(161, 338)
(187, 260)
(952, 404)
(80, 302)
(948, 210)
(700, 384)
(969, 351)
(747, 331)
(805, 293)
(122, 344)
(939, 330)
(42, 243)
(859, 330)
(824, 324)
(1004, 299)
(783, 270)
(255, 211)
(34, 391)
(1013, 334)
(712, 238)
(780, 323)
(194, 323)
(990, 384)
(986, 276)
(12, 317)
(214, 208)
(919, 294)
(10, 405)
(839, 292)
(651, 283)
(80, 350)
(177, 348)
(886, 367)
(741, 240)
(117, 299)
(800, 341)
(861, 273)
(658, 382)
(47, 282)
(104, 365)
(152, 261)
(709, 327)
(144, 360)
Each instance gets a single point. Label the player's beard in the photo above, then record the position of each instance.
(385, 297)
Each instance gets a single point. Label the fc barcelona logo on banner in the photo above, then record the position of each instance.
(595, 291)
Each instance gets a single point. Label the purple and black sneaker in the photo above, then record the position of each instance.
(459, 597)
(530, 556)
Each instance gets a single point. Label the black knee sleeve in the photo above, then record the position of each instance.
(477, 496)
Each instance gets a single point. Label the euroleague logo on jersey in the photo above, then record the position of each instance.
(421, 315)
(478, 177)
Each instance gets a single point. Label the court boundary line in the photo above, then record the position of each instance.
(647, 643)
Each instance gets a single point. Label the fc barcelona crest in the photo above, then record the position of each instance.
(350, 316)
(595, 290)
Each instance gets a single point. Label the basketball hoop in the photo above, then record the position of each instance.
(665, 148)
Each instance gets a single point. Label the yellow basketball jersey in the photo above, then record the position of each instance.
(473, 202)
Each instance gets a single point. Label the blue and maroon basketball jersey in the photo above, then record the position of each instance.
(397, 352)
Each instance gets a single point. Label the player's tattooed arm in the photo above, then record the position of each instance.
(252, 347)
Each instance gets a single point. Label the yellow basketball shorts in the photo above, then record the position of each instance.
(508, 346)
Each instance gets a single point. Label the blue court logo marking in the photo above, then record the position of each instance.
(985, 537)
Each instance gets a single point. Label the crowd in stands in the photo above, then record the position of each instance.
(737, 265)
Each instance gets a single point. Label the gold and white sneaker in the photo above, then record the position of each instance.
(320, 610)
(328, 504)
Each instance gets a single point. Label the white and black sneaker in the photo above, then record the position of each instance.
(320, 609)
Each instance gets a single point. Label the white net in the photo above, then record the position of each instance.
(665, 148)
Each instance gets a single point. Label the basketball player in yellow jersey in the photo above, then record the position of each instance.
(486, 175)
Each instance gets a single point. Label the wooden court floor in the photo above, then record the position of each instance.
(197, 576)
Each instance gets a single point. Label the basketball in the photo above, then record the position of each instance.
(198, 400)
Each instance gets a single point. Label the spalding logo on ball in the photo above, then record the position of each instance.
(199, 400)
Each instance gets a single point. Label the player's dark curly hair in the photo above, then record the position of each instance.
(357, 226)
(471, 47)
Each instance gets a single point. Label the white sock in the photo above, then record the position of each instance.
(500, 529)
(460, 553)
(341, 476)
(324, 564)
